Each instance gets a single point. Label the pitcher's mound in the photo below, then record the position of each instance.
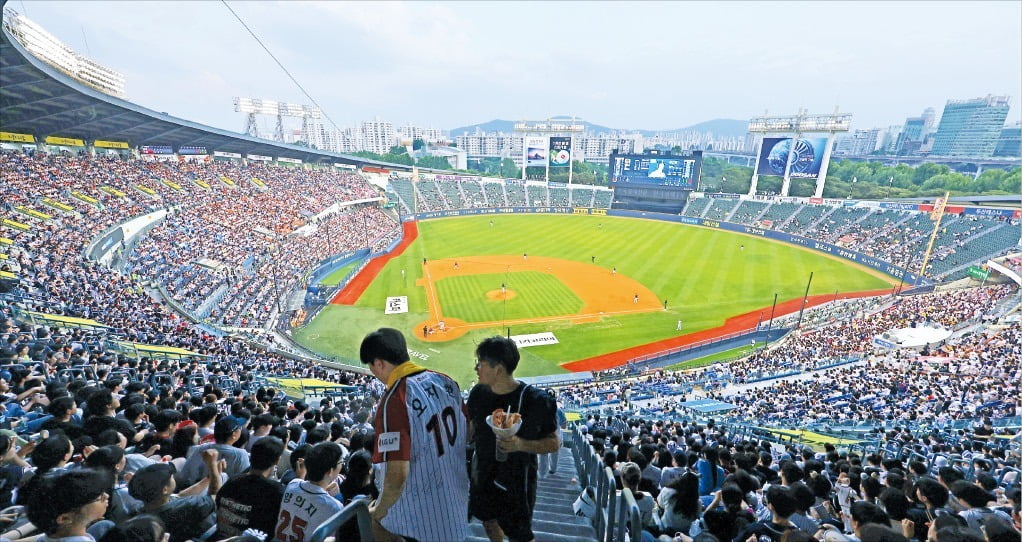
(498, 295)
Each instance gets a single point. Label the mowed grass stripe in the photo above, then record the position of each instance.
(701, 271)
(536, 295)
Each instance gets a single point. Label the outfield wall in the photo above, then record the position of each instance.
(784, 237)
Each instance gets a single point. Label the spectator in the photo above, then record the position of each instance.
(504, 492)
(187, 516)
(309, 503)
(252, 500)
(781, 504)
(67, 503)
(226, 432)
(414, 502)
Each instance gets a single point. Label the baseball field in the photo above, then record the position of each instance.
(606, 288)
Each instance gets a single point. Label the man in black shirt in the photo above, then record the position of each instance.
(782, 505)
(503, 493)
(252, 500)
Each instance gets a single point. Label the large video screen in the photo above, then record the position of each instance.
(656, 170)
(805, 162)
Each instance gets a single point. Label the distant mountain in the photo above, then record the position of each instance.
(718, 127)
(508, 126)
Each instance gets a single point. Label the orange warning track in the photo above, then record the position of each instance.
(354, 290)
(742, 322)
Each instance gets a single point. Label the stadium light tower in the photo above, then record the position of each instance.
(257, 106)
(795, 126)
(537, 135)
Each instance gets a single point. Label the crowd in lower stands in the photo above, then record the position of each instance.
(103, 440)
(711, 483)
(835, 343)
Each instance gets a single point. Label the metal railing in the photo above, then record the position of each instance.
(357, 510)
(617, 517)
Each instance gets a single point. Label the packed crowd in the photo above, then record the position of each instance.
(139, 448)
(854, 337)
(892, 386)
(701, 482)
(963, 379)
(255, 239)
(898, 237)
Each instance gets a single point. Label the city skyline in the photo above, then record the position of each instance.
(190, 58)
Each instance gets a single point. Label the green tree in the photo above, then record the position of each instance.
(417, 144)
(398, 149)
(403, 159)
(433, 162)
(509, 170)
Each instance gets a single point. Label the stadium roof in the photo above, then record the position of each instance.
(40, 100)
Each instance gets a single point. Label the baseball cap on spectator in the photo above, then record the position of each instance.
(148, 483)
(225, 426)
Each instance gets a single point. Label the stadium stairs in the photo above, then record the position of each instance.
(553, 519)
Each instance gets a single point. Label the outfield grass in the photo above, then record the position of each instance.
(714, 358)
(334, 278)
(703, 273)
(535, 295)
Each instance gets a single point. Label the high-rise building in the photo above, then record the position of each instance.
(915, 132)
(376, 136)
(970, 128)
(863, 142)
(410, 132)
(1009, 144)
(49, 49)
(889, 139)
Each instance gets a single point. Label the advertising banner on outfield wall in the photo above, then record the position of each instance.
(536, 149)
(980, 211)
(560, 151)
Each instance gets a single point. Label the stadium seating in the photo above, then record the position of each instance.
(582, 197)
(537, 196)
(720, 209)
(696, 207)
(559, 197)
(778, 213)
(474, 196)
(495, 194)
(516, 196)
(838, 222)
(748, 211)
(265, 229)
(806, 217)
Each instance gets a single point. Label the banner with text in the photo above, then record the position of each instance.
(534, 339)
(536, 150)
(396, 305)
(560, 151)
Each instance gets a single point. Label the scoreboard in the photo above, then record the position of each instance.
(656, 170)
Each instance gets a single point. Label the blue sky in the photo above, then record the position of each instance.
(658, 65)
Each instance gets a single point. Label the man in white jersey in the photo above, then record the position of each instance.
(308, 503)
(421, 429)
